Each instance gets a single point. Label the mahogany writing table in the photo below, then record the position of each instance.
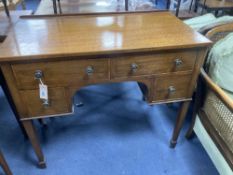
(69, 52)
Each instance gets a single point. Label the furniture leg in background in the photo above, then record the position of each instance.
(6, 8)
(168, 4)
(4, 165)
(55, 6)
(178, 7)
(126, 5)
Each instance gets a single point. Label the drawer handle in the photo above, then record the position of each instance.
(171, 89)
(38, 74)
(89, 70)
(134, 67)
(43, 89)
(46, 103)
(178, 62)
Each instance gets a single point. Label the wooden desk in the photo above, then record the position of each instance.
(70, 52)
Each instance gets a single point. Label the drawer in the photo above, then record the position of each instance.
(58, 103)
(61, 73)
(171, 87)
(153, 64)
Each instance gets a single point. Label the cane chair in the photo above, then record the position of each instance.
(213, 106)
(214, 5)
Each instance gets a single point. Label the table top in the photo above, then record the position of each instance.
(50, 37)
(217, 4)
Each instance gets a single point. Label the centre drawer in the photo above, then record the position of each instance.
(153, 64)
(61, 73)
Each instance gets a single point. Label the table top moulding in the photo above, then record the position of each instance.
(52, 37)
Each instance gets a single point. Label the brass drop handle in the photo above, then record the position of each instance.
(89, 70)
(43, 89)
(134, 67)
(46, 103)
(178, 62)
(171, 90)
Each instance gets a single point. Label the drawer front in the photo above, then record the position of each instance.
(58, 103)
(171, 87)
(152, 64)
(61, 73)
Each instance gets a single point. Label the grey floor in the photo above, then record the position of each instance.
(115, 132)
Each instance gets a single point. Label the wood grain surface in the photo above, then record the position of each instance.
(43, 38)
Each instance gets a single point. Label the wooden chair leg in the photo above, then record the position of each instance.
(23, 4)
(4, 165)
(5, 7)
(31, 132)
(190, 131)
(126, 5)
(191, 5)
(168, 4)
(55, 6)
(59, 6)
(198, 102)
(196, 6)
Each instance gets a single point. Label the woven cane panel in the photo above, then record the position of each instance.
(220, 117)
(220, 35)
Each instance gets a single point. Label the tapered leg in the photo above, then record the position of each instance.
(179, 122)
(4, 165)
(178, 8)
(31, 132)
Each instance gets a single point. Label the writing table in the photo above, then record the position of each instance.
(69, 52)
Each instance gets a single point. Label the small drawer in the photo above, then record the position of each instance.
(171, 87)
(61, 73)
(153, 64)
(58, 103)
